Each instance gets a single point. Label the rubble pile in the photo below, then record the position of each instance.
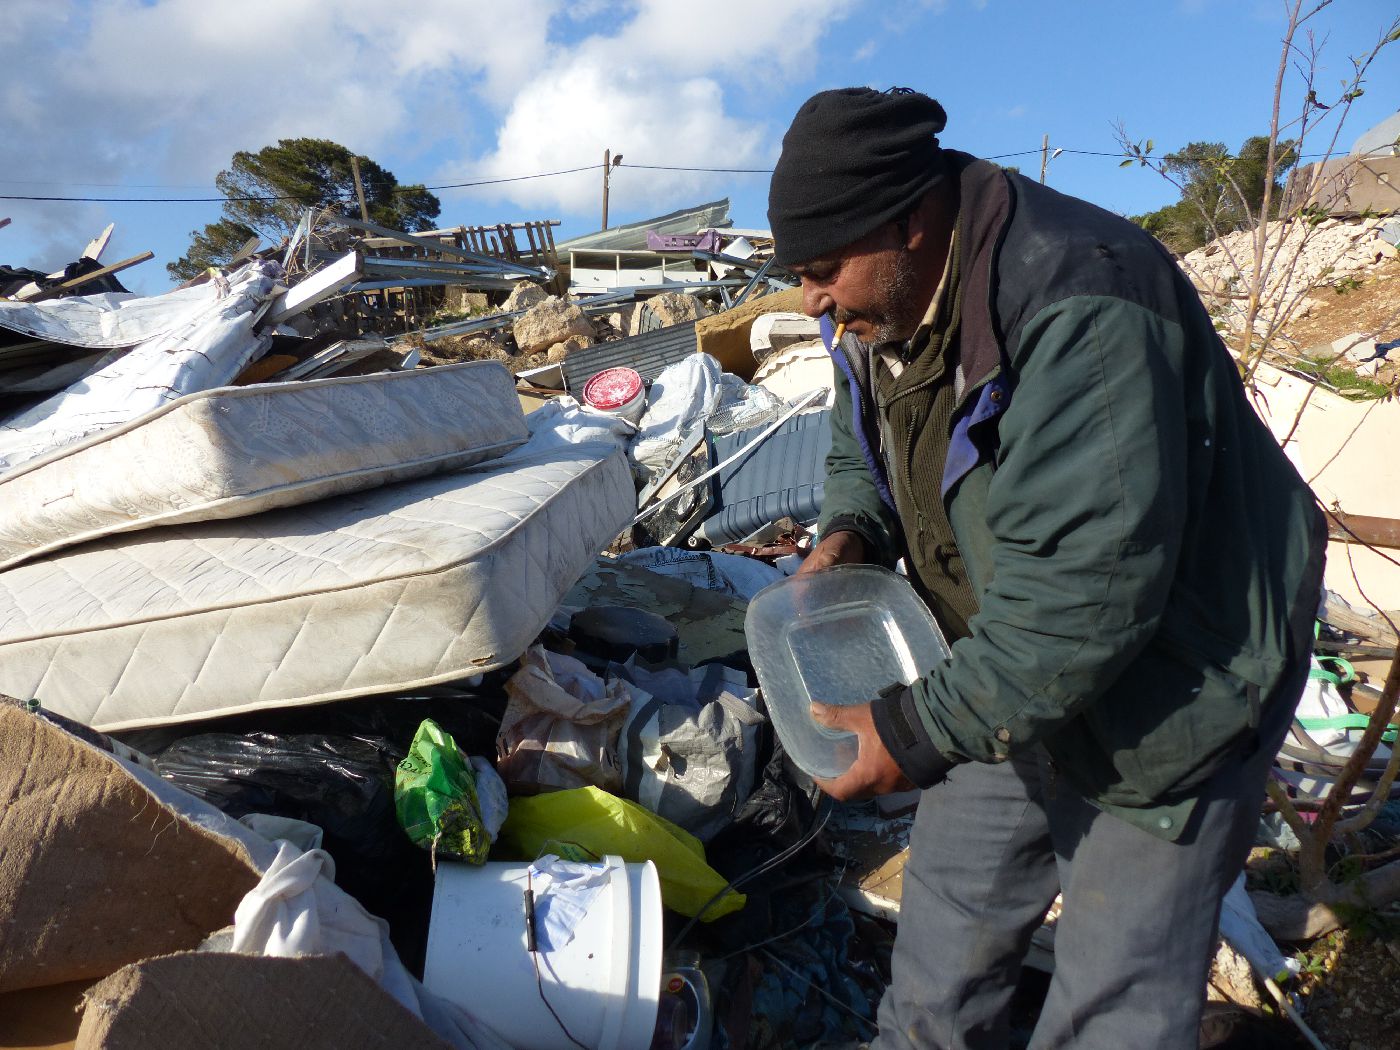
(1309, 257)
(419, 640)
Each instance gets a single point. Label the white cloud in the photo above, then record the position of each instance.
(127, 92)
(651, 91)
(588, 107)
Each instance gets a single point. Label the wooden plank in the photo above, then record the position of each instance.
(409, 239)
(249, 247)
(98, 244)
(1364, 529)
(322, 284)
(78, 282)
(1341, 615)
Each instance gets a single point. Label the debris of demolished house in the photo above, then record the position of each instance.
(331, 574)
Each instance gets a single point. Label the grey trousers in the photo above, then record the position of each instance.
(993, 844)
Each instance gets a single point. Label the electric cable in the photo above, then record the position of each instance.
(287, 196)
(822, 991)
(532, 946)
(1116, 155)
(824, 814)
(819, 911)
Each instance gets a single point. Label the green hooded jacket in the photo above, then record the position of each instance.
(1146, 560)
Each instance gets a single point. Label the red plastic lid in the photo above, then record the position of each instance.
(612, 388)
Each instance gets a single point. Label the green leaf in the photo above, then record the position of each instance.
(1149, 146)
(1125, 163)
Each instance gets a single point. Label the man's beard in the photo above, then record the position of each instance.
(895, 315)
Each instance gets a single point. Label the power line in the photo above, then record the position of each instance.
(283, 196)
(1119, 155)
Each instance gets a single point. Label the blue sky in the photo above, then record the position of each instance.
(150, 98)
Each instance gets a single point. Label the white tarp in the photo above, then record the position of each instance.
(109, 319)
(201, 343)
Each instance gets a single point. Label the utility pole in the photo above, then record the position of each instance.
(607, 171)
(360, 189)
(1044, 156)
(609, 163)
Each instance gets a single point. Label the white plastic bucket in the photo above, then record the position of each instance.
(618, 392)
(604, 984)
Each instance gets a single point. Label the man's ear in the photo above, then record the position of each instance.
(915, 229)
(917, 226)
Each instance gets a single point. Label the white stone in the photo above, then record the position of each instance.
(669, 308)
(523, 296)
(548, 323)
(1354, 348)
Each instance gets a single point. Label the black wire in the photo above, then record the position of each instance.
(535, 956)
(676, 167)
(283, 196)
(1118, 155)
(768, 865)
(539, 983)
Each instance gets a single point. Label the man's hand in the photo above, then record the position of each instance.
(839, 548)
(874, 772)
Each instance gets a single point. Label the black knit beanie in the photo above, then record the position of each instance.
(853, 160)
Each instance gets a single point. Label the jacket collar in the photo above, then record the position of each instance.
(985, 209)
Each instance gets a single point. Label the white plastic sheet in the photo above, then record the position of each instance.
(208, 348)
(681, 398)
(1240, 926)
(693, 393)
(109, 319)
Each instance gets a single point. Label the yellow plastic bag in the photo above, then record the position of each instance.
(588, 823)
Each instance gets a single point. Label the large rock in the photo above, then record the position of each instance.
(621, 319)
(666, 309)
(561, 350)
(550, 322)
(523, 296)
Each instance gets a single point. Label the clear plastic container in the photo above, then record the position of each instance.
(839, 636)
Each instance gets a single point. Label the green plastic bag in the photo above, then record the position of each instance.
(436, 800)
(588, 823)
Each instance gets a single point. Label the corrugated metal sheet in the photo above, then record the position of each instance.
(648, 353)
(785, 477)
(633, 236)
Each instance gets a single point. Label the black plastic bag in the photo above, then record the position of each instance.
(343, 784)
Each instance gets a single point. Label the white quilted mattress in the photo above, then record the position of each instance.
(243, 450)
(415, 583)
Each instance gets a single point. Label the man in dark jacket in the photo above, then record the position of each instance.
(1037, 415)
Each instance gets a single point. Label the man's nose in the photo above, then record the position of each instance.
(815, 300)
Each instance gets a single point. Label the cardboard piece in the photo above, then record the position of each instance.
(216, 1001)
(42, 1018)
(95, 872)
(725, 336)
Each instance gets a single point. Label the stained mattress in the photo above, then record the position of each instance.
(414, 583)
(236, 451)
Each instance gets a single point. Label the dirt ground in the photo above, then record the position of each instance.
(1351, 981)
(1371, 308)
(1353, 1002)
